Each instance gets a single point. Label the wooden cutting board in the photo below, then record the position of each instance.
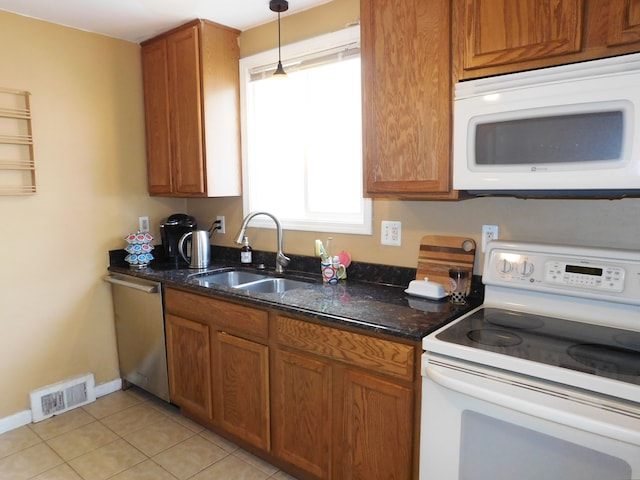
(438, 253)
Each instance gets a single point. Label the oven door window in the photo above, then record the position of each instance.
(492, 449)
(481, 423)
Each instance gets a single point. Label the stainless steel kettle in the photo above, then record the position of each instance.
(200, 248)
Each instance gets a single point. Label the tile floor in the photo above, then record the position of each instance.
(127, 435)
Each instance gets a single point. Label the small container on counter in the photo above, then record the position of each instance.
(246, 253)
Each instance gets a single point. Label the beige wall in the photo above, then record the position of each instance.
(595, 222)
(55, 311)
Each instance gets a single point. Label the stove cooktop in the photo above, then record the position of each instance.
(598, 350)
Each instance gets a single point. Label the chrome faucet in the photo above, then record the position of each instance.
(281, 259)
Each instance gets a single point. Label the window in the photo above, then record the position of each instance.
(302, 136)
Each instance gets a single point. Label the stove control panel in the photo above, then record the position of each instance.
(602, 277)
(588, 272)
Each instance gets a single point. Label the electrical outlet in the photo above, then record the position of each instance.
(222, 226)
(391, 233)
(489, 233)
(143, 224)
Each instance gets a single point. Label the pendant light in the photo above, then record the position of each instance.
(279, 6)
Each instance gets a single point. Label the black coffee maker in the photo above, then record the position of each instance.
(171, 230)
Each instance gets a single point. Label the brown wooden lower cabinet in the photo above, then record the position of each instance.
(317, 401)
(189, 366)
(302, 411)
(243, 389)
(375, 428)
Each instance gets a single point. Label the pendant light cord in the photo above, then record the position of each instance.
(279, 55)
(279, 6)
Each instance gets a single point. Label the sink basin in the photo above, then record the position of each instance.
(248, 281)
(232, 278)
(272, 285)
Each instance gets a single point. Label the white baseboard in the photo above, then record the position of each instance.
(20, 419)
(108, 387)
(15, 421)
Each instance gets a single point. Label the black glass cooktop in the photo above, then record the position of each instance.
(603, 351)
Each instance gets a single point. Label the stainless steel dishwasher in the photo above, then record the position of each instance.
(142, 354)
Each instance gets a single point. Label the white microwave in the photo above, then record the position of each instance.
(572, 130)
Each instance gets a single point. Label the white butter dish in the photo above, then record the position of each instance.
(426, 289)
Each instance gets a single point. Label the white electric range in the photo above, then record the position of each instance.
(546, 371)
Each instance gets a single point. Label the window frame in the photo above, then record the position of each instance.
(290, 53)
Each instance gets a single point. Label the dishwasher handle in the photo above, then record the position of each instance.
(137, 286)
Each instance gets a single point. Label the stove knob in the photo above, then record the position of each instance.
(526, 268)
(505, 266)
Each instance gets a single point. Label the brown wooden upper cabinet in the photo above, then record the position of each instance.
(406, 68)
(191, 97)
(500, 36)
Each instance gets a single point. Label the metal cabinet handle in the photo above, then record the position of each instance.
(124, 283)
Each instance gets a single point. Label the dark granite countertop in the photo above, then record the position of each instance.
(375, 307)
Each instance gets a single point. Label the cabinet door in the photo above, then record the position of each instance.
(406, 65)
(376, 428)
(624, 22)
(186, 111)
(501, 32)
(302, 412)
(189, 365)
(242, 389)
(156, 106)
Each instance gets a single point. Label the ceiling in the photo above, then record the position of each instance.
(137, 20)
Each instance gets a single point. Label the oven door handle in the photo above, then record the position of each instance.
(554, 413)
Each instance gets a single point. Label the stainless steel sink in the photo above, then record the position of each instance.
(272, 285)
(231, 278)
(248, 281)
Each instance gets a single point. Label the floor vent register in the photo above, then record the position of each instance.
(62, 397)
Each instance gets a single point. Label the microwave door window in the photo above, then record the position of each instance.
(573, 139)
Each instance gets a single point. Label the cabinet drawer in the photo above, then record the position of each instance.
(224, 315)
(382, 356)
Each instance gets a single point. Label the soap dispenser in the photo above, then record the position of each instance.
(246, 252)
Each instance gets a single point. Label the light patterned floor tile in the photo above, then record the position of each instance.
(158, 436)
(29, 462)
(132, 419)
(231, 468)
(61, 472)
(82, 440)
(186, 422)
(222, 442)
(138, 393)
(255, 461)
(15, 440)
(283, 476)
(147, 470)
(113, 403)
(107, 460)
(94, 449)
(54, 426)
(190, 457)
